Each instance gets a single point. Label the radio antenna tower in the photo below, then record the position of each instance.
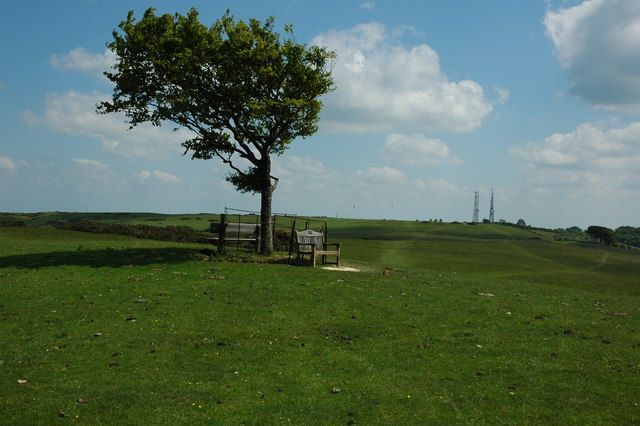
(476, 207)
(491, 209)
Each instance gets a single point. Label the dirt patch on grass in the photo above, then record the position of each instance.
(341, 268)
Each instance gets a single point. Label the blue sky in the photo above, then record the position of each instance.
(539, 100)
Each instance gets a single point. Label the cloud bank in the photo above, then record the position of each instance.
(597, 43)
(591, 161)
(417, 150)
(74, 113)
(82, 60)
(382, 86)
(159, 176)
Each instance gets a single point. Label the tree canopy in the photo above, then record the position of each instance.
(628, 235)
(244, 90)
(601, 234)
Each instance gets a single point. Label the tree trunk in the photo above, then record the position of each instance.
(266, 234)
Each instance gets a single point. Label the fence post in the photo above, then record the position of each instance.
(222, 233)
(291, 237)
(259, 238)
(238, 235)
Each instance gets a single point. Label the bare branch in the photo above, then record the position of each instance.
(229, 162)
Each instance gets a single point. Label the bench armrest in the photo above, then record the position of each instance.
(337, 245)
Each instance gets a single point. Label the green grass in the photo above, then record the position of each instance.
(482, 324)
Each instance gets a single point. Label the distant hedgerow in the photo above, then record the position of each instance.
(8, 221)
(183, 234)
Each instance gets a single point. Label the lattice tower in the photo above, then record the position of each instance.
(476, 207)
(491, 209)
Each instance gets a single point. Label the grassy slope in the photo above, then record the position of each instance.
(263, 343)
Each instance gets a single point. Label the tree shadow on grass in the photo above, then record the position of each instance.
(104, 257)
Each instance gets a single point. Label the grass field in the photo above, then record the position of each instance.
(445, 323)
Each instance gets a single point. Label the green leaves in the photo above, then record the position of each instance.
(250, 181)
(242, 88)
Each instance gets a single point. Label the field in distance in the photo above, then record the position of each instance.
(444, 323)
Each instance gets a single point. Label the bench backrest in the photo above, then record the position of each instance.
(236, 230)
(307, 239)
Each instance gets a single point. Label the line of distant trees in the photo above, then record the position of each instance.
(628, 235)
(600, 234)
(623, 235)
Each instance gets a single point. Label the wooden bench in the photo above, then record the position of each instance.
(312, 243)
(238, 233)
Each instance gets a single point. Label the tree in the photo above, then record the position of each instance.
(628, 235)
(245, 91)
(574, 230)
(601, 234)
(521, 223)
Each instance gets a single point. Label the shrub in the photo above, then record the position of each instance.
(281, 240)
(182, 234)
(9, 221)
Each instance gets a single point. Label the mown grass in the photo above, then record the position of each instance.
(445, 323)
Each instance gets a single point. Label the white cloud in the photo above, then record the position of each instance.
(436, 185)
(417, 150)
(592, 160)
(91, 165)
(92, 175)
(74, 113)
(302, 176)
(383, 86)
(301, 168)
(597, 44)
(410, 30)
(7, 164)
(162, 177)
(368, 5)
(502, 95)
(82, 60)
(165, 177)
(375, 176)
(143, 174)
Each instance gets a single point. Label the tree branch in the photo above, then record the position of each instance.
(249, 155)
(228, 161)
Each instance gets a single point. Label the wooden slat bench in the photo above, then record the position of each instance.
(312, 243)
(239, 233)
